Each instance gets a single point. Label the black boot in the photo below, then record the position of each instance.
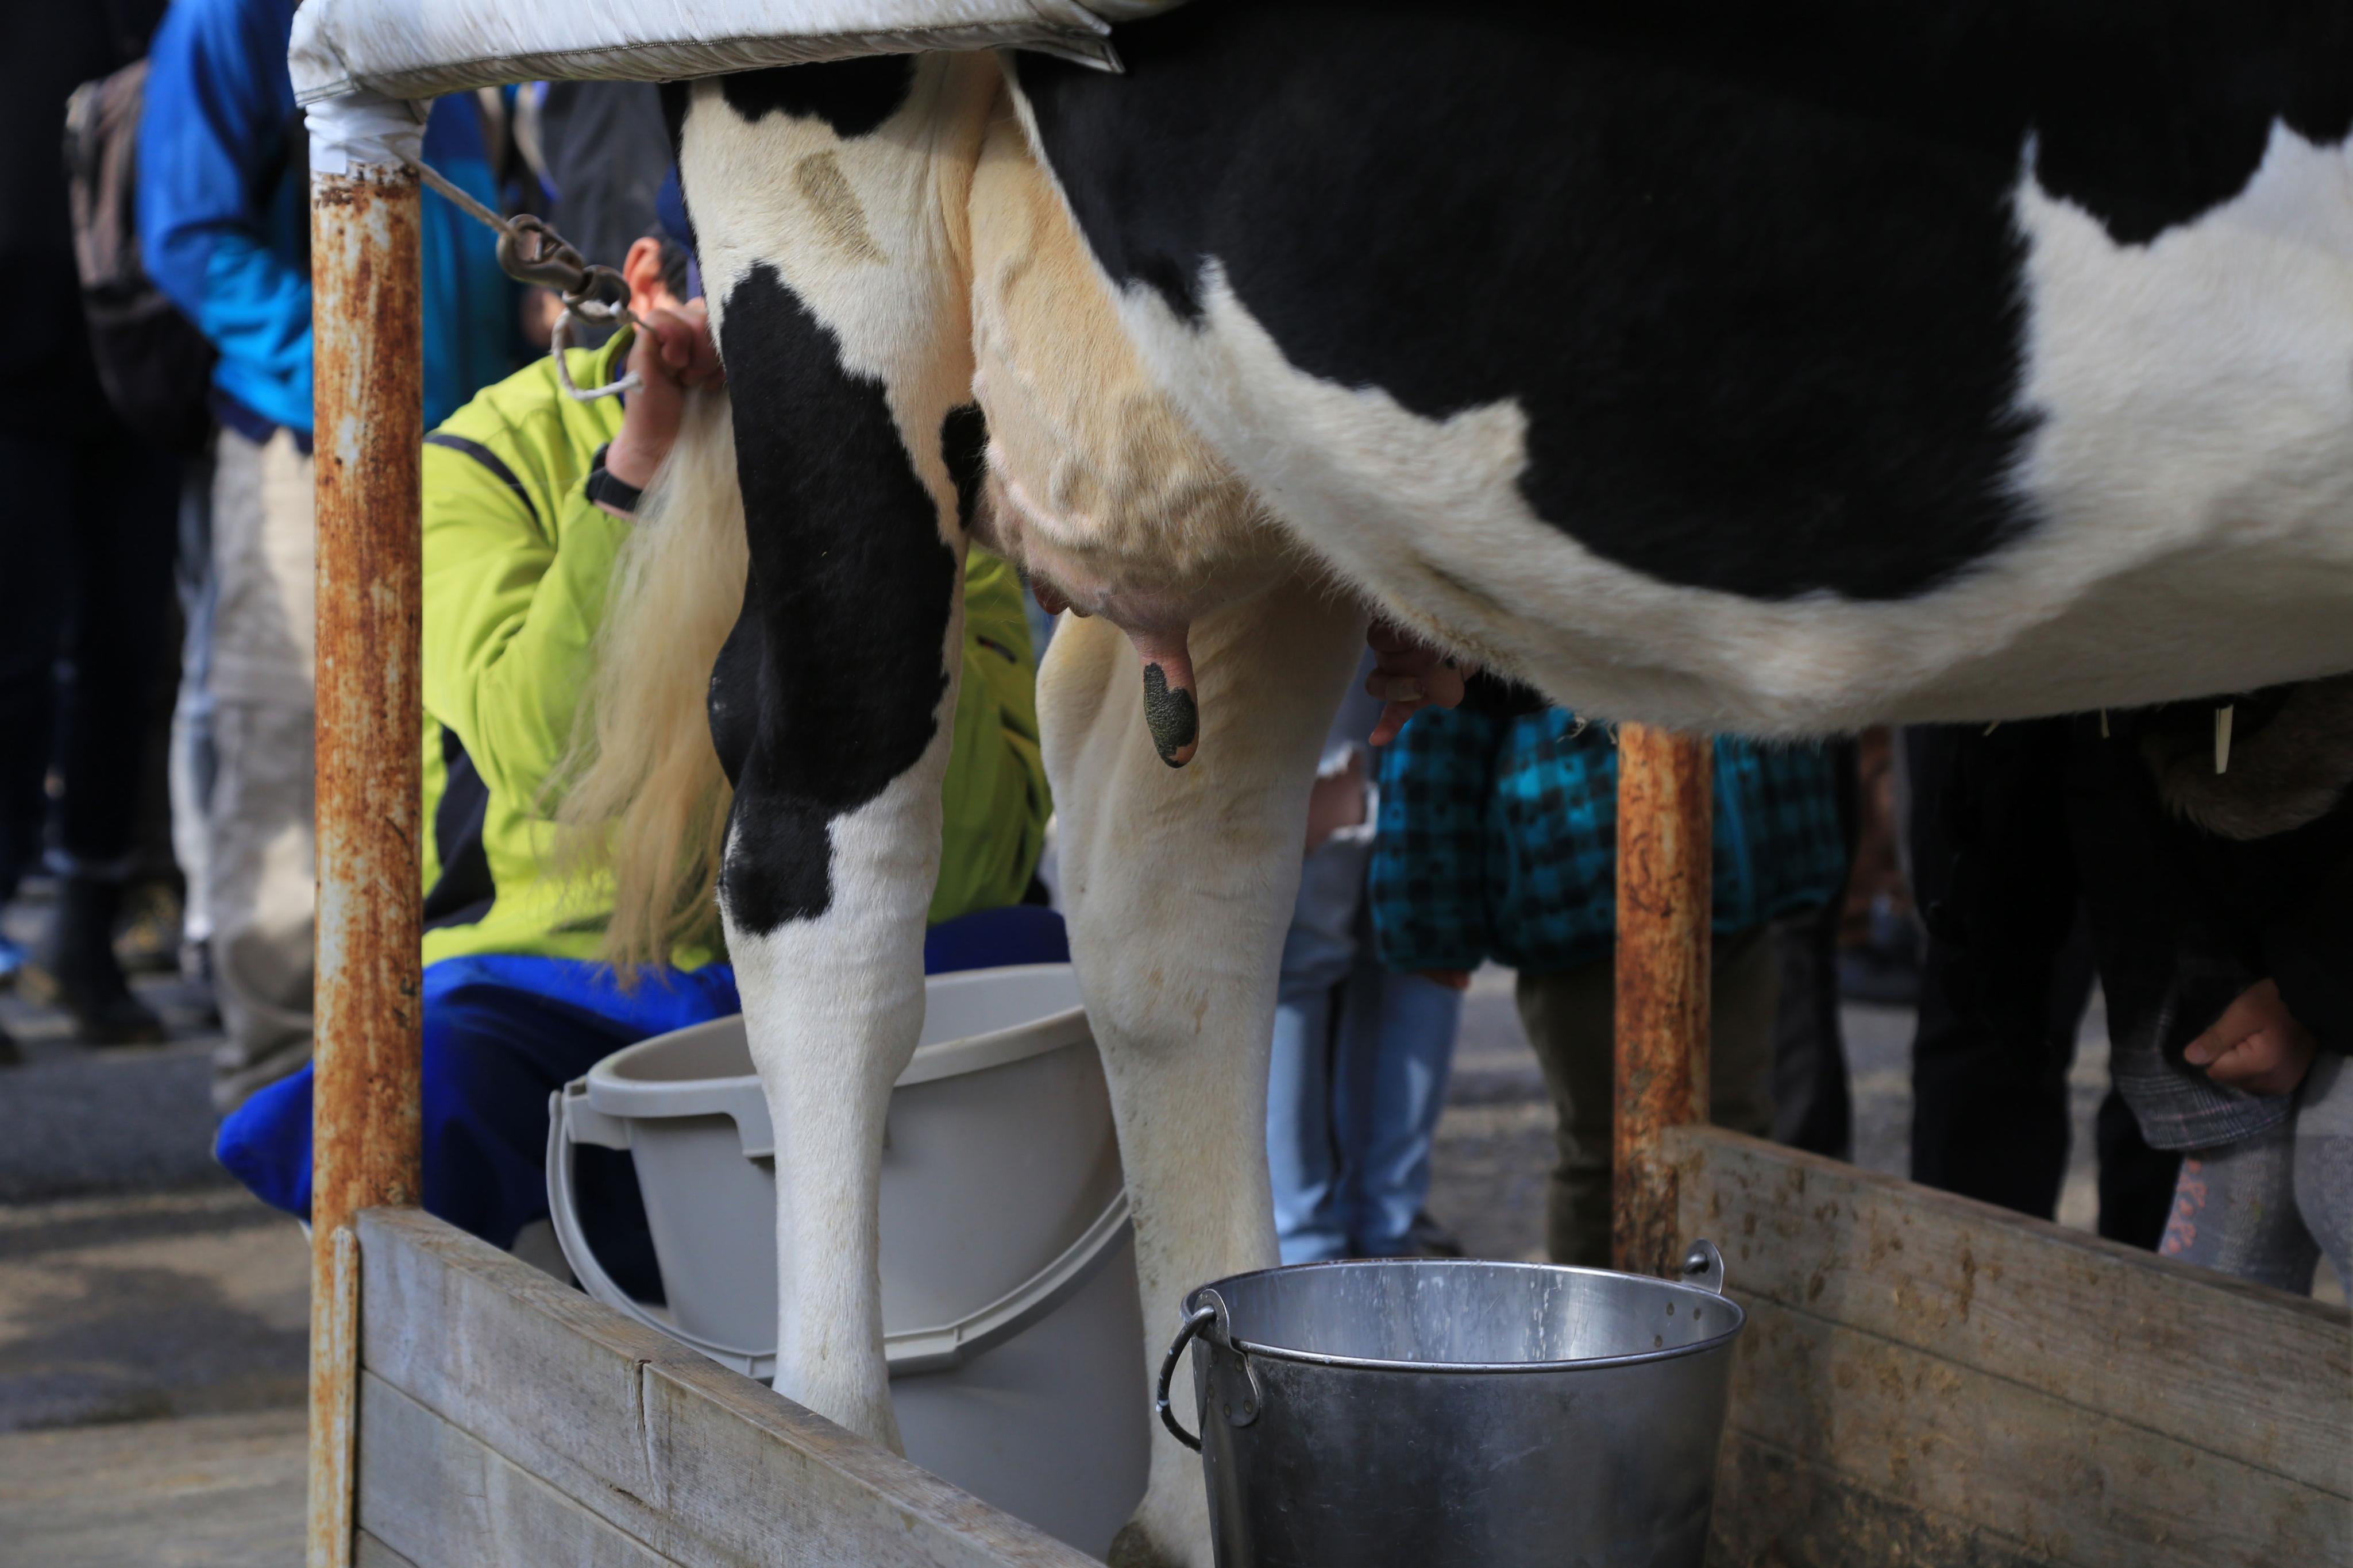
(77, 971)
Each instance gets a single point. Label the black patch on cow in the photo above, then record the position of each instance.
(963, 446)
(462, 894)
(854, 97)
(675, 96)
(825, 691)
(733, 702)
(1172, 716)
(1749, 271)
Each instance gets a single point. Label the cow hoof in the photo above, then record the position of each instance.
(1134, 1547)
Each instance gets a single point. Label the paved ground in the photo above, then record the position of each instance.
(123, 1309)
(152, 1317)
(210, 1492)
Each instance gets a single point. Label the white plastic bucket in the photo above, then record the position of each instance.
(1009, 1281)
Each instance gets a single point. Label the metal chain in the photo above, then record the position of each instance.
(531, 252)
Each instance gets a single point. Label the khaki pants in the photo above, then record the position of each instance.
(1570, 1016)
(262, 890)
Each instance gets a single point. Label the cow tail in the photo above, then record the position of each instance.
(643, 798)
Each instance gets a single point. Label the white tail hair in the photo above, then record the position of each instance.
(643, 794)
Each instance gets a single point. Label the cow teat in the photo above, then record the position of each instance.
(1170, 710)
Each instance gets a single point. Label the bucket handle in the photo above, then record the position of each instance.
(1704, 1266)
(907, 1352)
(1200, 1318)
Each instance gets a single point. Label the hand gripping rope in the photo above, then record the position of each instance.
(531, 252)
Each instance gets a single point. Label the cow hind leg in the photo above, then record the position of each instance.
(1179, 885)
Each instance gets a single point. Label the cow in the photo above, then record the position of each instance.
(1761, 369)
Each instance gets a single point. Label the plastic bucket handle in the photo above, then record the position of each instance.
(571, 1121)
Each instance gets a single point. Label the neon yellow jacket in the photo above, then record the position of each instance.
(516, 565)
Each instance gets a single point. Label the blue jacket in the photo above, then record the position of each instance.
(1498, 839)
(224, 219)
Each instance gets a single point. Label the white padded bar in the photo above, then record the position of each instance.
(422, 48)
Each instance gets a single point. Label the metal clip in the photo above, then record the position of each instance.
(1704, 1266)
(531, 252)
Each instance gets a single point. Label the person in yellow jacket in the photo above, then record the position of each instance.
(529, 502)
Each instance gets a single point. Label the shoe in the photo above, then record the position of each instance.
(76, 972)
(149, 940)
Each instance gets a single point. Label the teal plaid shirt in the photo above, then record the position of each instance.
(1498, 839)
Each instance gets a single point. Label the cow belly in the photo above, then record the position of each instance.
(1837, 418)
(2120, 598)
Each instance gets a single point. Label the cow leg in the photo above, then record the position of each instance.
(817, 202)
(1179, 886)
(832, 704)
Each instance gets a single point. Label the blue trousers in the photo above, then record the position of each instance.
(502, 1032)
(1359, 1076)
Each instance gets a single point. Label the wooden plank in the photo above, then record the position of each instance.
(369, 1553)
(441, 1500)
(2241, 1372)
(2069, 1484)
(701, 1465)
(1774, 1510)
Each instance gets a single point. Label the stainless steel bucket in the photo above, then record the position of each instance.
(1434, 1413)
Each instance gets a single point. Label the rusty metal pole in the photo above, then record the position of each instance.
(368, 367)
(1665, 830)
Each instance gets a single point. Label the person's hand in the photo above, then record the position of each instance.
(673, 352)
(2256, 1044)
(1408, 675)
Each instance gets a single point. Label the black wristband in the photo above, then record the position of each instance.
(612, 494)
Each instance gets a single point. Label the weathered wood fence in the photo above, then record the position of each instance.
(506, 1418)
(1928, 1380)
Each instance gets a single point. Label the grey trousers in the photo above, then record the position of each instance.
(261, 893)
(2267, 1208)
(1570, 1017)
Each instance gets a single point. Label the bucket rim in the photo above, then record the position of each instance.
(613, 1090)
(1720, 1340)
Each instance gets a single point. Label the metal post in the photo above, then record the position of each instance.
(1664, 839)
(369, 373)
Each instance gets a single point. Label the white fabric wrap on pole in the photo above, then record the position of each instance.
(422, 48)
(364, 127)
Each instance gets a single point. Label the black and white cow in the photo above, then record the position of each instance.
(1769, 369)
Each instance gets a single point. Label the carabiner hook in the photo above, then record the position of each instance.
(531, 252)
